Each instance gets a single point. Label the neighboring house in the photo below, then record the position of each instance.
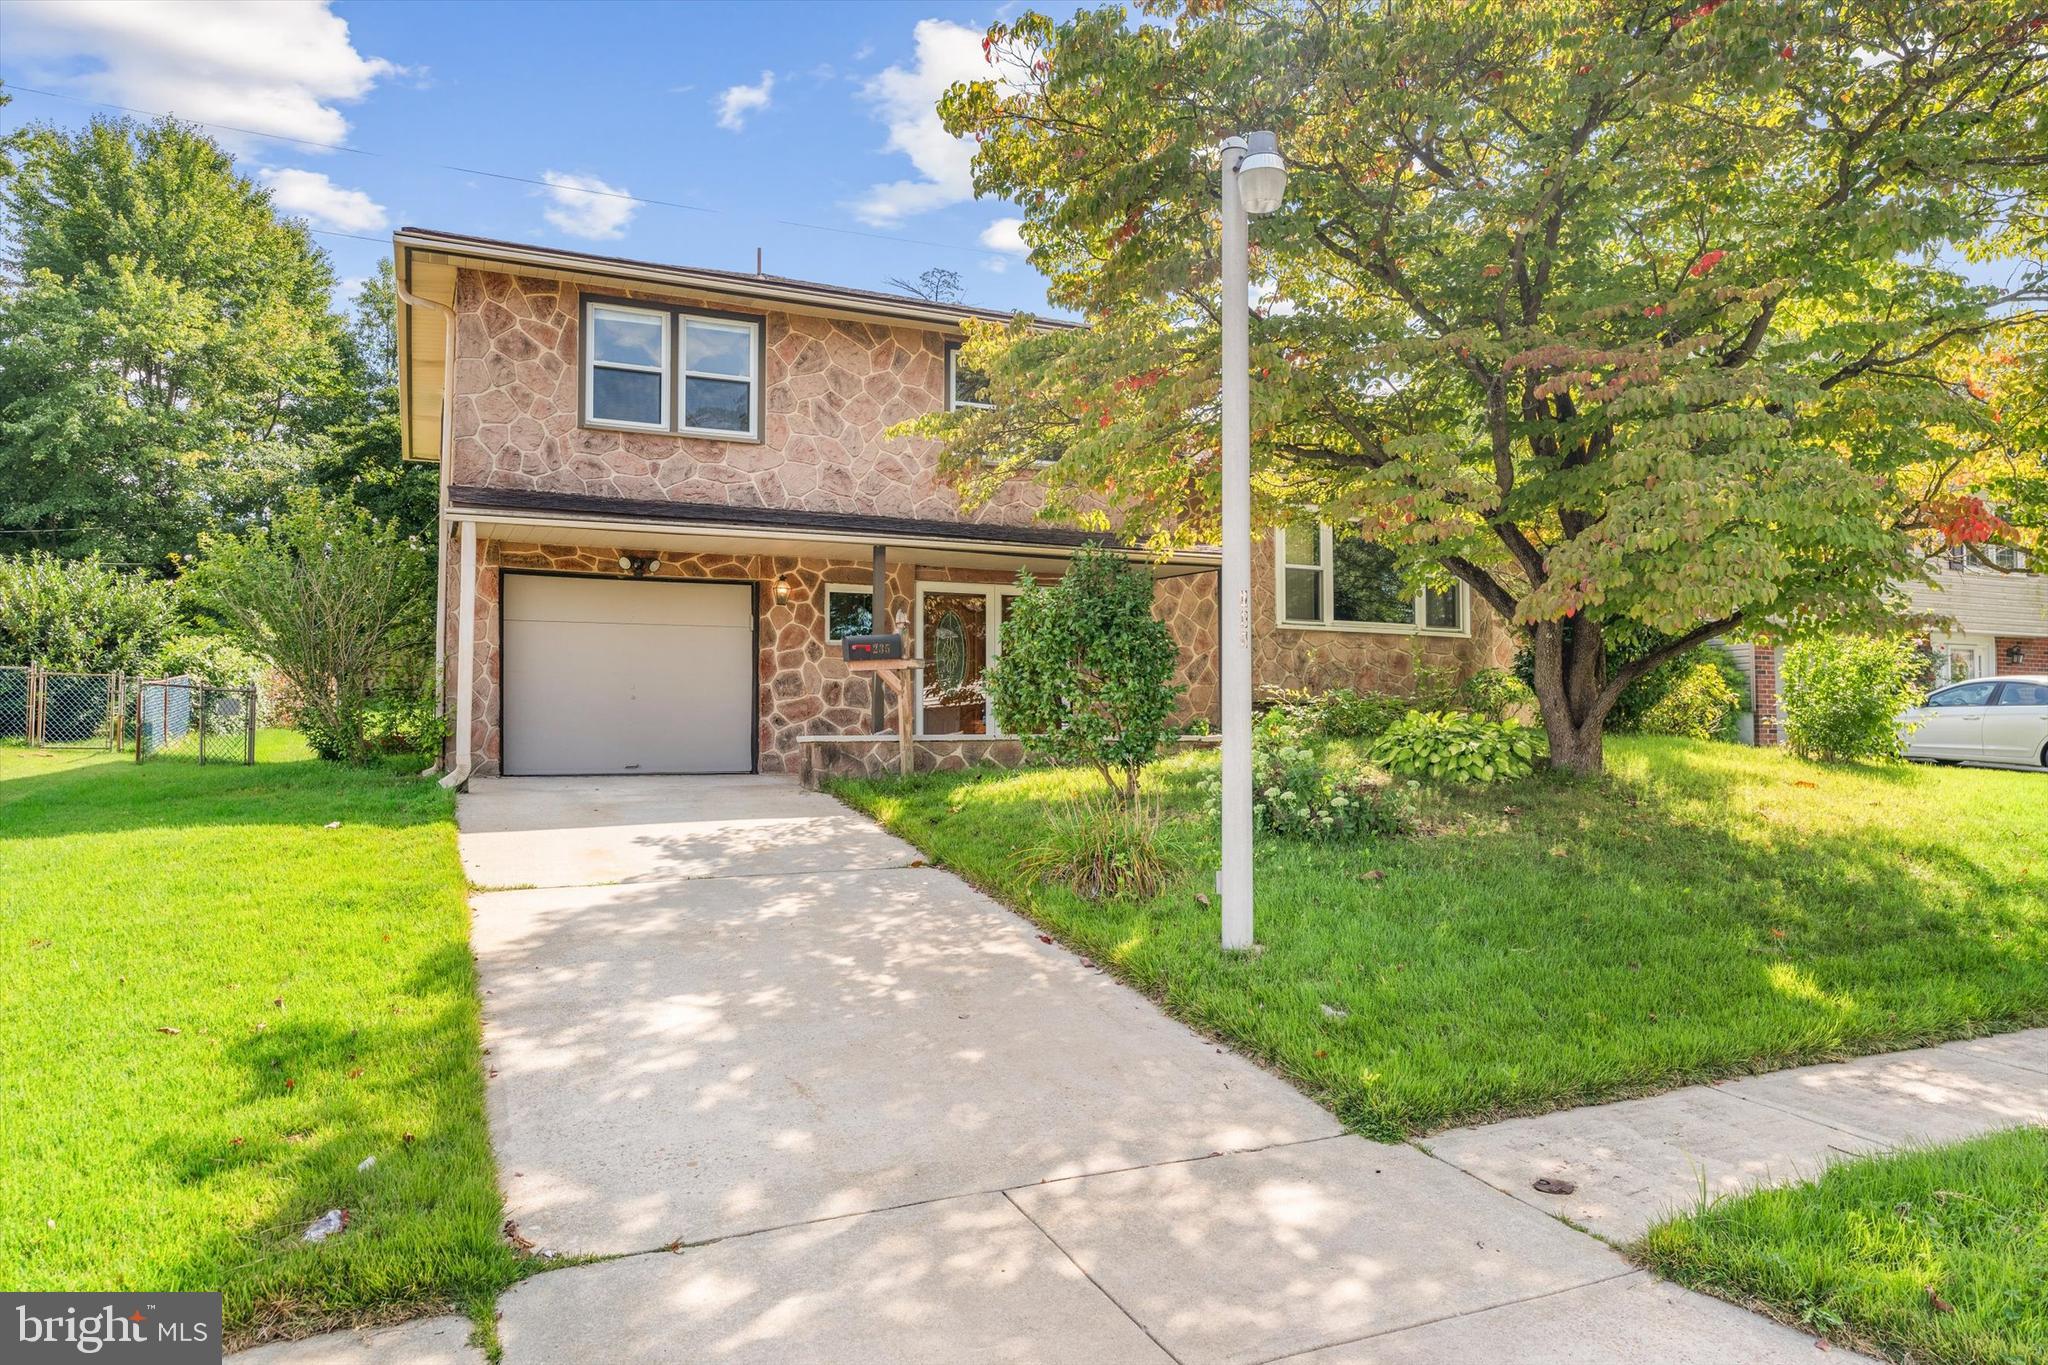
(1995, 620)
(666, 493)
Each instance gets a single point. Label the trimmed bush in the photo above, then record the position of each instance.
(1700, 705)
(1843, 695)
(79, 616)
(1452, 746)
(1086, 672)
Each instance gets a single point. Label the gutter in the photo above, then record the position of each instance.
(460, 772)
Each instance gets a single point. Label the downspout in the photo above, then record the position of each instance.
(460, 772)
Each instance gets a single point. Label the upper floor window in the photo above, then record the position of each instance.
(656, 368)
(1347, 583)
(1998, 556)
(965, 388)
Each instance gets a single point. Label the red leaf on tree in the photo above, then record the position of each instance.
(1705, 263)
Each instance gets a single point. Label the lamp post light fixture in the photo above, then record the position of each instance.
(1254, 180)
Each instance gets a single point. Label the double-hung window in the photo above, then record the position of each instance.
(1342, 582)
(652, 368)
(626, 375)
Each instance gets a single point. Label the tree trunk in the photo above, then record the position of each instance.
(1570, 674)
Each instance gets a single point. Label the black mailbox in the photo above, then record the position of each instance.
(872, 647)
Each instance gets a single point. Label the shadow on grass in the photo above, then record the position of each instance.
(1693, 915)
(316, 1097)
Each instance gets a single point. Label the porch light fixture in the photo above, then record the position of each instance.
(782, 589)
(636, 565)
(1254, 182)
(2015, 653)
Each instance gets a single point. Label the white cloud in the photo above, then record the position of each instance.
(738, 101)
(1003, 235)
(584, 206)
(907, 100)
(312, 195)
(278, 68)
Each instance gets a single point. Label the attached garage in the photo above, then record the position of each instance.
(605, 675)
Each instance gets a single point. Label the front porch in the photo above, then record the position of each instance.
(609, 670)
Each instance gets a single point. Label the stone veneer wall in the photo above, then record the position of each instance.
(805, 687)
(831, 389)
(1376, 661)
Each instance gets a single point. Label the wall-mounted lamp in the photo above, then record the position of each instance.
(782, 589)
(2015, 653)
(637, 565)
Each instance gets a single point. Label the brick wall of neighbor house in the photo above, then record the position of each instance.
(2033, 652)
(1764, 699)
(805, 686)
(831, 388)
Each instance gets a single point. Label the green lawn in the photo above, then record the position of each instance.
(1704, 910)
(1938, 1255)
(215, 1008)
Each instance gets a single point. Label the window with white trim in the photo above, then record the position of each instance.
(1333, 582)
(965, 388)
(651, 368)
(626, 375)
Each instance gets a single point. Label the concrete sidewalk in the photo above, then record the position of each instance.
(1638, 1161)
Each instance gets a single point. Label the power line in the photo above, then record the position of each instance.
(503, 175)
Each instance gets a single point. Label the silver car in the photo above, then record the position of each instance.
(1985, 720)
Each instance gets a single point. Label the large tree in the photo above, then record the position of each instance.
(359, 456)
(1617, 313)
(168, 349)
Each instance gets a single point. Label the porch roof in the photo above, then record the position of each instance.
(543, 514)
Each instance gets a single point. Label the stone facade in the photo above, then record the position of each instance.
(831, 388)
(805, 687)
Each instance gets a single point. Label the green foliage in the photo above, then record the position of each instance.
(170, 356)
(338, 604)
(81, 616)
(1086, 672)
(1299, 793)
(1493, 692)
(1104, 848)
(361, 458)
(1843, 695)
(211, 658)
(1340, 713)
(1699, 705)
(1452, 746)
(1674, 299)
(405, 721)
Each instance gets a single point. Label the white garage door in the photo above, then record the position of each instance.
(620, 676)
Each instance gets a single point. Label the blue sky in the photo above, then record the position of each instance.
(769, 115)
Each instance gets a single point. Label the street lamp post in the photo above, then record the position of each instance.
(1254, 179)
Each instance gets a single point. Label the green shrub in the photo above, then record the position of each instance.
(1491, 692)
(1340, 713)
(1106, 848)
(405, 722)
(1700, 705)
(1843, 695)
(339, 605)
(78, 615)
(1453, 746)
(210, 658)
(1086, 672)
(1296, 796)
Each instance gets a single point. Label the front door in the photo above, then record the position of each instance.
(955, 650)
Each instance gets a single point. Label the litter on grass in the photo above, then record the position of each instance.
(326, 1225)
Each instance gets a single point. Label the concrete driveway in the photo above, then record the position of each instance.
(833, 1105)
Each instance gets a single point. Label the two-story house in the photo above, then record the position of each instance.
(666, 493)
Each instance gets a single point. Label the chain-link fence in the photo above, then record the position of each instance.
(53, 709)
(187, 718)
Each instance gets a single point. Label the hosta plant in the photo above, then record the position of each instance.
(1454, 746)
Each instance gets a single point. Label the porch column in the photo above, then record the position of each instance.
(878, 622)
(465, 654)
